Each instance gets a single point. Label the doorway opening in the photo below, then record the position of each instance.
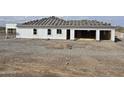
(68, 34)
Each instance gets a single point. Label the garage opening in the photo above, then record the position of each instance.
(85, 34)
(11, 33)
(105, 35)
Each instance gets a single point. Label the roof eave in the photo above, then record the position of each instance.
(37, 26)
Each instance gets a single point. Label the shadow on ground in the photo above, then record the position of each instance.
(117, 39)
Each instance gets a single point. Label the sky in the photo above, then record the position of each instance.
(114, 20)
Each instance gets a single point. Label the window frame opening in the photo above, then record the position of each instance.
(59, 31)
(34, 31)
(49, 32)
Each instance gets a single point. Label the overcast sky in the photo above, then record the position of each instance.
(115, 20)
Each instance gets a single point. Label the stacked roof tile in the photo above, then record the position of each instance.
(55, 22)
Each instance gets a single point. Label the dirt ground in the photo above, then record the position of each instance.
(56, 58)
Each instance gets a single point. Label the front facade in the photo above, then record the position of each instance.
(56, 28)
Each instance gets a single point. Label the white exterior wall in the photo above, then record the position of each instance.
(11, 25)
(72, 34)
(41, 33)
(97, 35)
(113, 35)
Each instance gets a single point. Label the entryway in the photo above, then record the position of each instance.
(68, 34)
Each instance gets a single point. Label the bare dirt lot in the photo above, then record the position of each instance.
(24, 57)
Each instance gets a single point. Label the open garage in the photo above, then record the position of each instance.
(105, 35)
(85, 34)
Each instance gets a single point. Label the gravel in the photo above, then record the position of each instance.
(61, 58)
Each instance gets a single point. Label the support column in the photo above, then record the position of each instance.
(97, 35)
(6, 33)
(113, 35)
(72, 34)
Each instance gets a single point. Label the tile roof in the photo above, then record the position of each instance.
(55, 22)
